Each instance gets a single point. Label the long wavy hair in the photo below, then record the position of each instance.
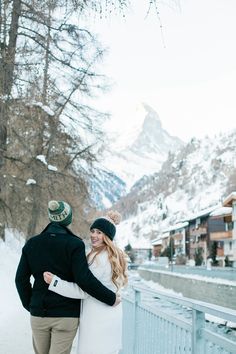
(117, 259)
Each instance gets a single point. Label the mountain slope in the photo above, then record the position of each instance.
(195, 178)
(105, 188)
(142, 150)
(137, 152)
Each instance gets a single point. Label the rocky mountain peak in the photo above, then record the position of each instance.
(152, 138)
(151, 118)
(143, 150)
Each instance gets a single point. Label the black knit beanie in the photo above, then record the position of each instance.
(106, 226)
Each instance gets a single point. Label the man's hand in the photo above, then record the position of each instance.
(47, 276)
(118, 300)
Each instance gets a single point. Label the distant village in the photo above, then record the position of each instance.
(207, 238)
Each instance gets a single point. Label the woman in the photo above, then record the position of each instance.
(100, 325)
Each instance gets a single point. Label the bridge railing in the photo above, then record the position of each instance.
(155, 322)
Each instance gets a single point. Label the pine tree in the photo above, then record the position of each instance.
(198, 257)
(130, 252)
(213, 252)
(169, 251)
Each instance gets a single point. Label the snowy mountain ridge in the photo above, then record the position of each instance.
(141, 150)
(194, 178)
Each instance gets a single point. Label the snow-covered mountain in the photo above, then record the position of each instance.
(192, 179)
(136, 152)
(105, 188)
(141, 150)
(172, 185)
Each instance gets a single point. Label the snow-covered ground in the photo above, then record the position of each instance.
(15, 331)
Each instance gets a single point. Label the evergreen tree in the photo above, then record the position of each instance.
(198, 257)
(213, 252)
(169, 251)
(130, 252)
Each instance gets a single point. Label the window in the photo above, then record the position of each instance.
(198, 222)
(228, 226)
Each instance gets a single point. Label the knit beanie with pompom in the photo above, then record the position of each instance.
(60, 212)
(107, 223)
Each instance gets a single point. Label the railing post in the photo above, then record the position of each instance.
(198, 322)
(137, 299)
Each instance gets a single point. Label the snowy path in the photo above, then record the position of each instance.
(15, 334)
(15, 331)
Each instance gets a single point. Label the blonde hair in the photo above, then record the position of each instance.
(116, 256)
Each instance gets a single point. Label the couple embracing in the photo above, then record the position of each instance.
(63, 275)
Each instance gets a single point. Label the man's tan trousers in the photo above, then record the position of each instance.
(53, 335)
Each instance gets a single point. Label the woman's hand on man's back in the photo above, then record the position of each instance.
(47, 276)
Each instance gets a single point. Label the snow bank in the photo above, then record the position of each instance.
(14, 325)
(15, 320)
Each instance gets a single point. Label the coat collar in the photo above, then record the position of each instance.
(57, 228)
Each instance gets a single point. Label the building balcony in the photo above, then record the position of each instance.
(221, 235)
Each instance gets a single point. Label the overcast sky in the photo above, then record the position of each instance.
(186, 71)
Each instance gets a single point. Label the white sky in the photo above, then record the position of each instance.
(188, 75)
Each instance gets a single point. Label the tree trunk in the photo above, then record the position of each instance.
(46, 65)
(35, 211)
(7, 65)
(34, 215)
(10, 53)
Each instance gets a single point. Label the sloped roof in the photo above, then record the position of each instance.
(221, 211)
(229, 199)
(178, 226)
(203, 212)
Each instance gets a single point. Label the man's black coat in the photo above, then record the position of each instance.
(58, 251)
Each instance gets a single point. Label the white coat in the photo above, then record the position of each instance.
(100, 327)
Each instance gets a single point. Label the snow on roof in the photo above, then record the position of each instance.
(165, 234)
(221, 211)
(229, 199)
(157, 241)
(203, 212)
(177, 226)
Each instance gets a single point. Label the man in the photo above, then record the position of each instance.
(54, 318)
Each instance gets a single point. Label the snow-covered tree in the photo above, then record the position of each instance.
(48, 70)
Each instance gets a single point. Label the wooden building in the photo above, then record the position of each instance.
(220, 228)
(197, 235)
(199, 231)
(178, 233)
(160, 243)
(230, 201)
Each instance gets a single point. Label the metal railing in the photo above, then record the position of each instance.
(155, 322)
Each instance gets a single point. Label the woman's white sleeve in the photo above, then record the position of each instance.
(66, 288)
